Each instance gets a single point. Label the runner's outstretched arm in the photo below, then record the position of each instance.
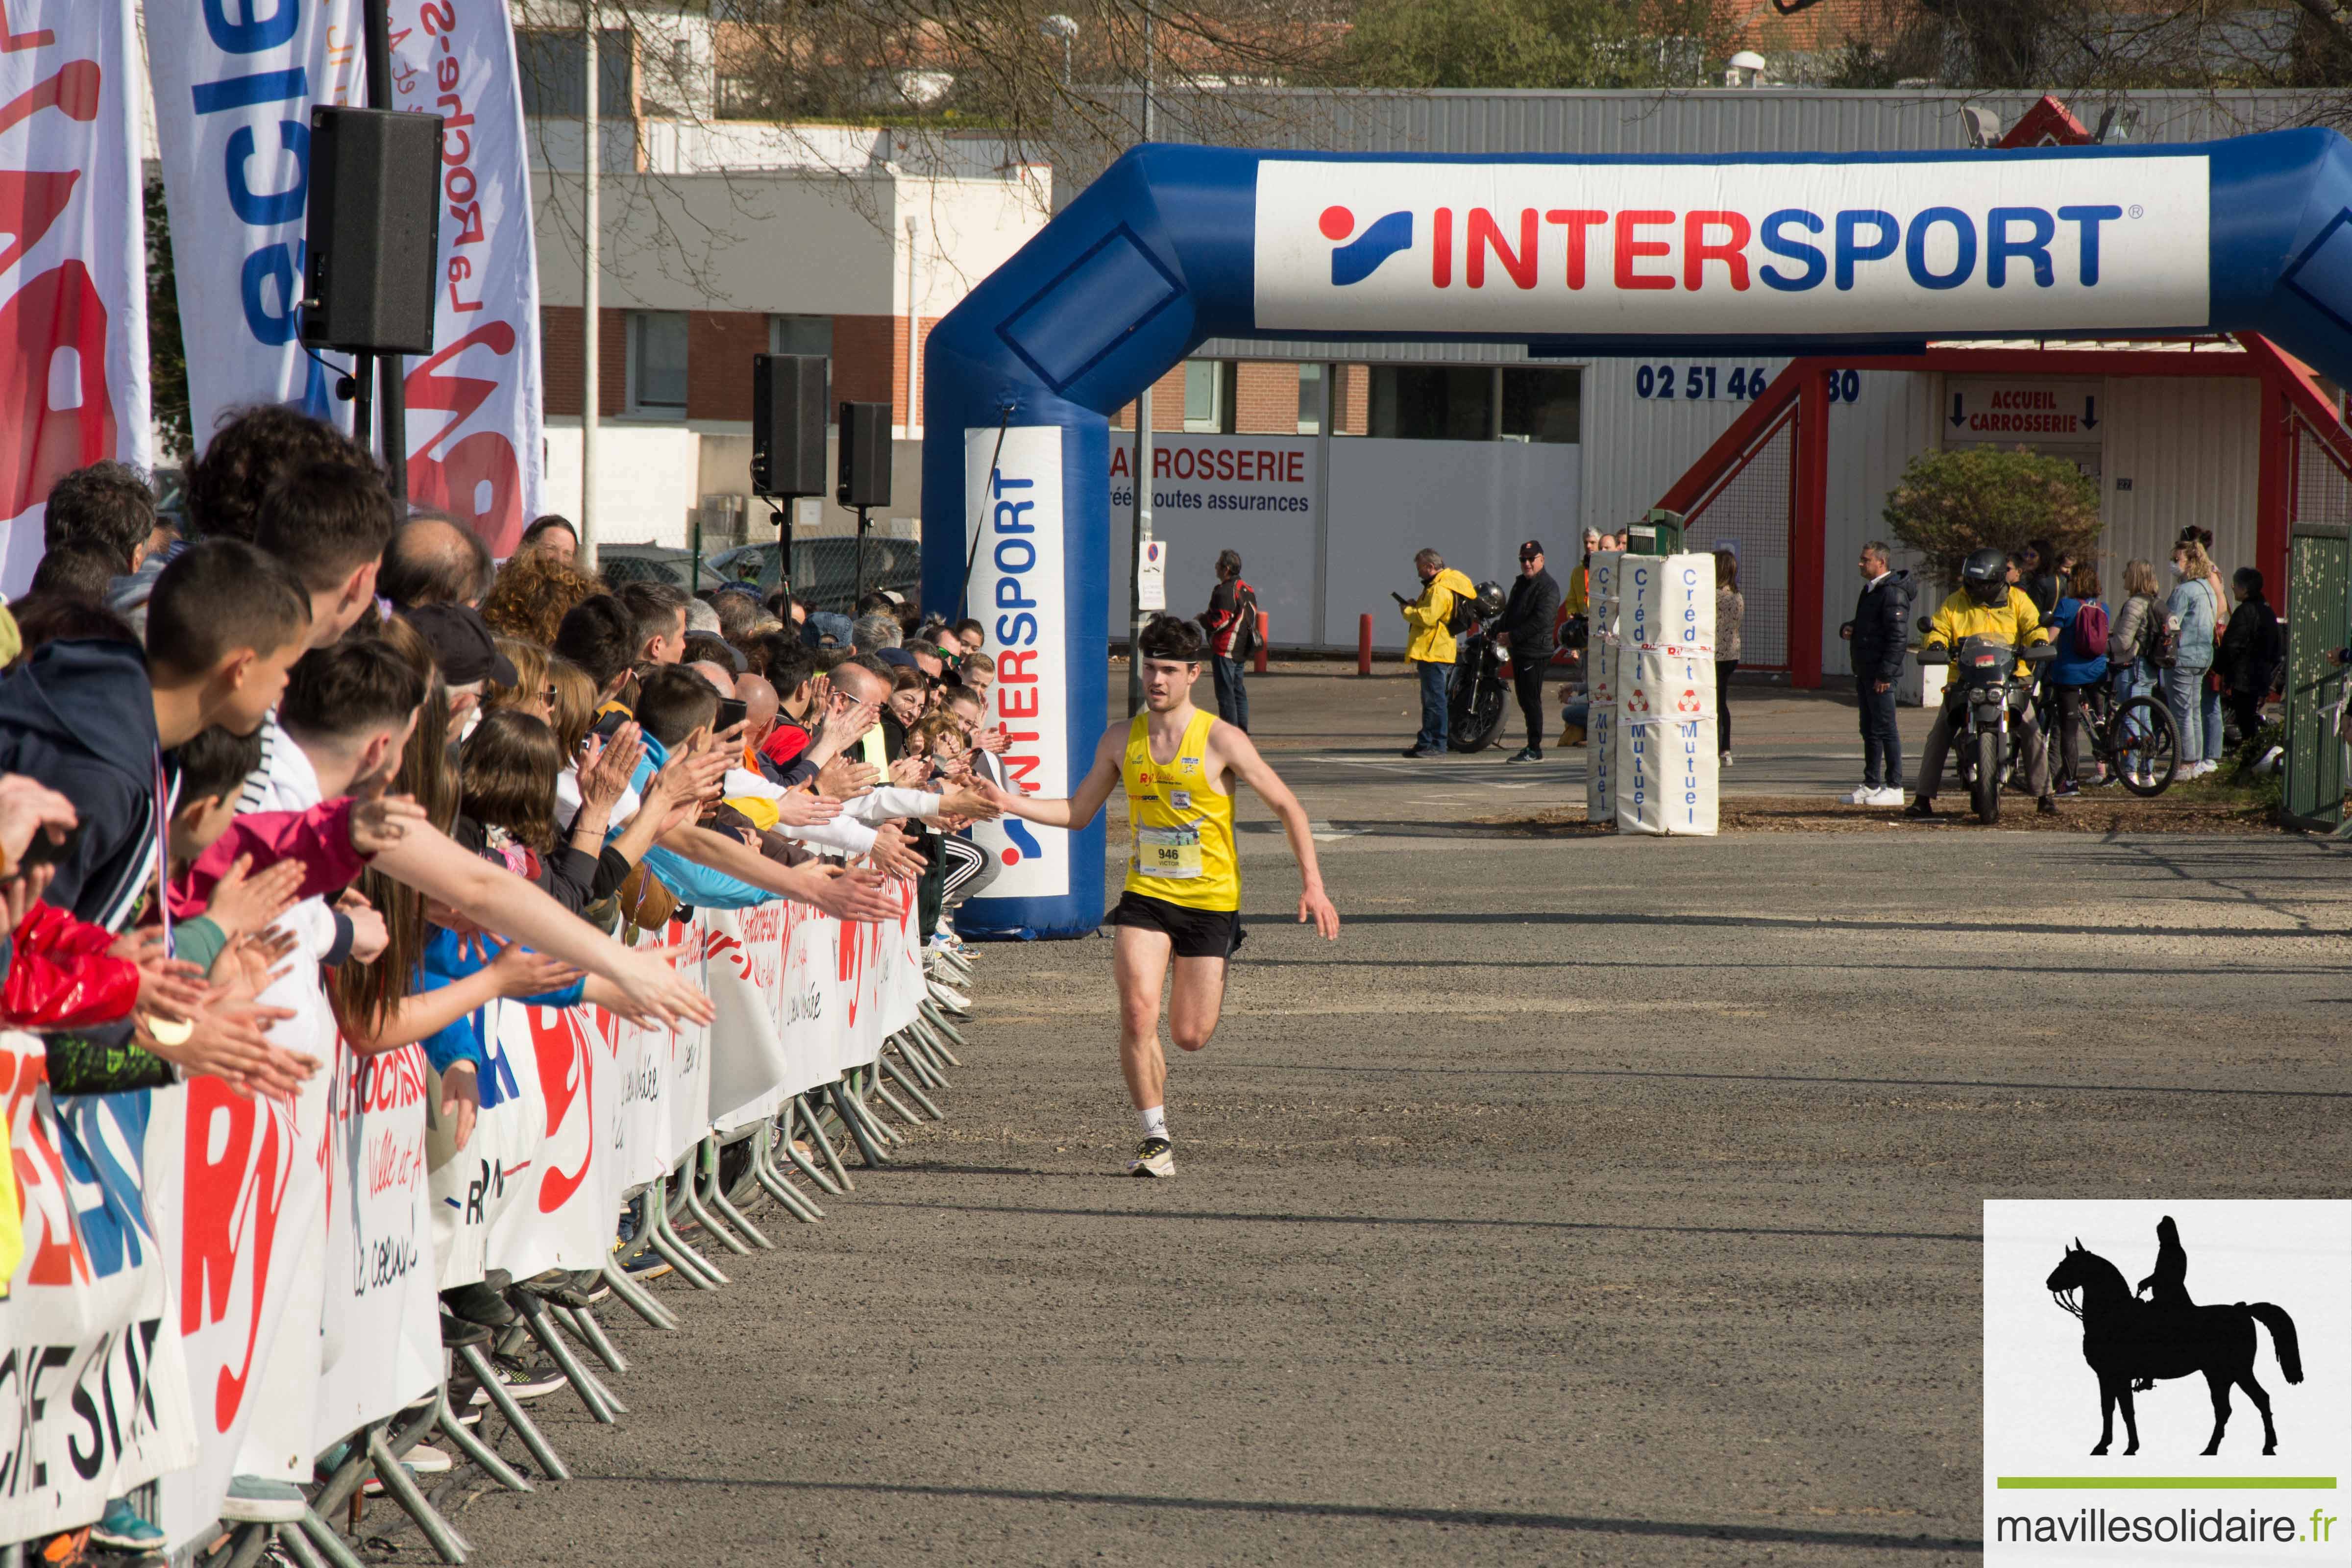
(1083, 802)
(1242, 758)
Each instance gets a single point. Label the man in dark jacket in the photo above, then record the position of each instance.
(1526, 630)
(1878, 636)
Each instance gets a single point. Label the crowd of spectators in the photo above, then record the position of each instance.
(324, 767)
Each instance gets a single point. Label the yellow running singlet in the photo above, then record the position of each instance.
(1181, 843)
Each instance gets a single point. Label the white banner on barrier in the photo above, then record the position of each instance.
(381, 1340)
(474, 404)
(73, 270)
(233, 91)
(96, 1395)
(235, 1200)
(295, 1234)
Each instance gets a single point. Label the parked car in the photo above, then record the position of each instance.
(825, 570)
(653, 563)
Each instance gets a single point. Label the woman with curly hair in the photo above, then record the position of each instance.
(532, 592)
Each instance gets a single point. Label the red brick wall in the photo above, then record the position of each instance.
(719, 349)
(1354, 398)
(869, 363)
(1167, 404)
(1265, 400)
(898, 368)
(864, 361)
(559, 360)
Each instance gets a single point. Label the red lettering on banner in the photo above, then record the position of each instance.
(1698, 250)
(1577, 221)
(1012, 669)
(31, 201)
(232, 1207)
(58, 1258)
(39, 444)
(1486, 234)
(10, 43)
(567, 1072)
(73, 91)
(487, 457)
(1632, 248)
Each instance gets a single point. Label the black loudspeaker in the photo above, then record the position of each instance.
(864, 454)
(373, 267)
(788, 425)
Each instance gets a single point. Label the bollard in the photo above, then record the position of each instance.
(1364, 644)
(1262, 624)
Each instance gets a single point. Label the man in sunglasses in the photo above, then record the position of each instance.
(1526, 630)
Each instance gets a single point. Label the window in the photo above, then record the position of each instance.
(1433, 403)
(1542, 406)
(657, 363)
(1310, 400)
(554, 79)
(1209, 395)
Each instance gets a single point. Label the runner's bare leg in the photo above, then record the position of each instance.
(1140, 959)
(1195, 1002)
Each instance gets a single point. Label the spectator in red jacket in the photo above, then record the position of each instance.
(1231, 621)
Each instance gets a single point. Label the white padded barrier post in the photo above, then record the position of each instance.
(1664, 767)
(1601, 690)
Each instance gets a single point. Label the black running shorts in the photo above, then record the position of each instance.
(1191, 933)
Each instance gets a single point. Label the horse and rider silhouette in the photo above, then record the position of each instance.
(2130, 1343)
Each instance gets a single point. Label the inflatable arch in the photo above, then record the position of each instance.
(1174, 244)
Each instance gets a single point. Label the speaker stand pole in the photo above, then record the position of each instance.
(854, 611)
(1138, 531)
(394, 398)
(364, 400)
(590, 279)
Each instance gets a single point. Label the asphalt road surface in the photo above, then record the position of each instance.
(1590, 1201)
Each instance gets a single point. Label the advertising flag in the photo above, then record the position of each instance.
(73, 259)
(474, 444)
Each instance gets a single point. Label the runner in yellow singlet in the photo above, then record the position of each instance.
(1183, 892)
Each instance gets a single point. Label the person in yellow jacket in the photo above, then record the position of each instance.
(1428, 626)
(1986, 606)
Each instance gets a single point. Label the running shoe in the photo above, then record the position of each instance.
(2066, 786)
(1153, 1157)
(1888, 796)
(1723, 760)
(124, 1530)
(520, 1379)
(420, 1460)
(1525, 754)
(1861, 794)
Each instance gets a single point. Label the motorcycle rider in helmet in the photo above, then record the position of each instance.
(1987, 605)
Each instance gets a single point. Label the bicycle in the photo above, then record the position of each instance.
(2137, 739)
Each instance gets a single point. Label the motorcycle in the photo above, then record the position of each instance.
(1976, 697)
(1476, 693)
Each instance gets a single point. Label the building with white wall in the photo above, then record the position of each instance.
(724, 238)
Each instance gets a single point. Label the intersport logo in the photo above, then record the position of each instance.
(1762, 248)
